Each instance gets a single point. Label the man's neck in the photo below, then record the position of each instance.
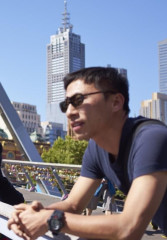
(110, 140)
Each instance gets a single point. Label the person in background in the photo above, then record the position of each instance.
(108, 198)
(92, 205)
(97, 108)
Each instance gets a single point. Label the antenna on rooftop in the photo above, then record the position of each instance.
(66, 18)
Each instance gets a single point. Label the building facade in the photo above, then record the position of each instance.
(162, 49)
(155, 108)
(12, 152)
(123, 72)
(65, 53)
(29, 117)
(52, 130)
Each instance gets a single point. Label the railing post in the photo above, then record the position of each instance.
(28, 177)
(59, 181)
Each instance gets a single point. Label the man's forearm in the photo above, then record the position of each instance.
(112, 226)
(65, 206)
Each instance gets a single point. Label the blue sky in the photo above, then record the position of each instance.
(123, 33)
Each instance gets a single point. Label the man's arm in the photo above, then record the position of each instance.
(141, 204)
(32, 219)
(79, 196)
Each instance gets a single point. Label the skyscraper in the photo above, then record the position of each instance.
(162, 47)
(156, 107)
(65, 53)
(29, 117)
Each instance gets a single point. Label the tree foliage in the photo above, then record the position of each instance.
(68, 151)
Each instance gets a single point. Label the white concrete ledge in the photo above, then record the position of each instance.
(5, 213)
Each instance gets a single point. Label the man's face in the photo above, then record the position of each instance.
(93, 116)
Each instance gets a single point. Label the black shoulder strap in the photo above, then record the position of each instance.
(135, 130)
(145, 122)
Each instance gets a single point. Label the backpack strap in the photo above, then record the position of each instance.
(135, 131)
(146, 122)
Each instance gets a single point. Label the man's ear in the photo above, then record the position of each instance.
(117, 102)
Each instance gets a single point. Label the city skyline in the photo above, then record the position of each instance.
(124, 34)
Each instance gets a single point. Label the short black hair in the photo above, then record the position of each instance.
(104, 79)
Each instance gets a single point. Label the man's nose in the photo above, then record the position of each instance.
(71, 110)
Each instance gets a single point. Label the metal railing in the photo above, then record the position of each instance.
(51, 178)
(31, 174)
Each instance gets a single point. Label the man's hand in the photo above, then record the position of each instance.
(21, 219)
(14, 222)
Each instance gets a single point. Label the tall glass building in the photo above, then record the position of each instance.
(162, 47)
(65, 53)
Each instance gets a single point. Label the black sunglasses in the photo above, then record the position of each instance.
(77, 99)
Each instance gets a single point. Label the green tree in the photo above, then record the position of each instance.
(67, 151)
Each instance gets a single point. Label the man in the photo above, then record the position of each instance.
(97, 108)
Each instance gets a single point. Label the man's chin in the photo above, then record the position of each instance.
(81, 137)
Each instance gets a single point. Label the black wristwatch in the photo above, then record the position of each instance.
(56, 222)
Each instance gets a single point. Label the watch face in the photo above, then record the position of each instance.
(55, 224)
(56, 221)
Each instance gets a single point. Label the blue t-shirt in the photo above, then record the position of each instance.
(148, 154)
